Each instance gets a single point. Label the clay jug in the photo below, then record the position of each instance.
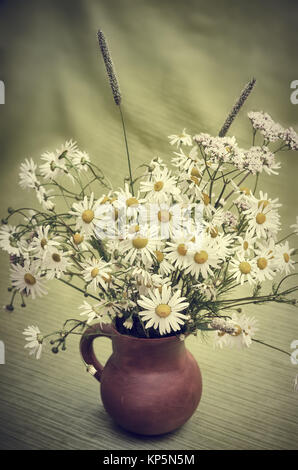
(148, 386)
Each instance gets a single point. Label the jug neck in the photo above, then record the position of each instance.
(143, 352)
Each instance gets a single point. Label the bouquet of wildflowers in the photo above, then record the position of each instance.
(165, 253)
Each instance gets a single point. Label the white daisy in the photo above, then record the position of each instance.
(156, 282)
(164, 267)
(127, 204)
(189, 162)
(55, 262)
(9, 240)
(237, 331)
(41, 240)
(163, 310)
(203, 259)
(84, 211)
(44, 198)
(261, 204)
(96, 273)
(80, 160)
(92, 311)
(176, 252)
(28, 278)
(27, 174)
(160, 187)
(68, 150)
(244, 329)
(243, 269)
(181, 139)
(265, 266)
(264, 223)
(246, 244)
(139, 247)
(36, 340)
(283, 260)
(53, 166)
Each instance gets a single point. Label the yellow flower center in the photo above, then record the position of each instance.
(244, 267)
(260, 218)
(158, 186)
(163, 310)
(29, 279)
(201, 257)
(43, 243)
(206, 199)
(159, 256)
(182, 249)
(164, 216)
(94, 272)
(88, 216)
(105, 199)
(194, 179)
(238, 331)
(56, 257)
(108, 279)
(262, 263)
(134, 228)
(245, 190)
(263, 203)
(286, 257)
(132, 201)
(214, 232)
(195, 172)
(139, 242)
(77, 238)
(245, 245)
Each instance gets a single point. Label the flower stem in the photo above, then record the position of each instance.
(127, 151)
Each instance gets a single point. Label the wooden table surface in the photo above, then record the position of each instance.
(178, 68)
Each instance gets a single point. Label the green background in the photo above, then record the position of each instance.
(180, 64)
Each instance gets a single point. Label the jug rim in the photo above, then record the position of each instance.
(146, 340)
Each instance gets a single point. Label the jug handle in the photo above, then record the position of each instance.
(86, 347)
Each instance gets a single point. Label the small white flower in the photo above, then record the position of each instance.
(52, 167)
(139, 248)
(238, 331)
(9, 240)
(27, 174)
(160, 187)
(176, 252)
(84, 211)
(55, 262)
(163, 310)
(44, 198)
(28, 278)
(42, 240)
(243, 269)
(35, 339)
(283, 260)
(204, 258)
(128, 323)
(265, 265)
(91, 311)
(181, 139)
(96, 273)
(80, 160)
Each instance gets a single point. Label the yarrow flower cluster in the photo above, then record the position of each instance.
(162, 258)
